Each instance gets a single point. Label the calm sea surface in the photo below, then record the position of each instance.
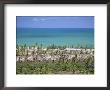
(58, 36)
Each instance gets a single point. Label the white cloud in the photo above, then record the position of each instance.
(43, 19)
(35, 19)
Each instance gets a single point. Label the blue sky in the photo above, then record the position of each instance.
(55, 21)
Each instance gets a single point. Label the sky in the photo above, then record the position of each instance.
(55, 21)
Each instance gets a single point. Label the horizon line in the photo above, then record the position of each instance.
(53, 28)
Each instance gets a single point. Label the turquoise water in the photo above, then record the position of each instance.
(58, 36)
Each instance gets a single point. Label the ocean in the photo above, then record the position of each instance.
(77, 37)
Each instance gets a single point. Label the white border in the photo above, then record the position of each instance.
(96, 80)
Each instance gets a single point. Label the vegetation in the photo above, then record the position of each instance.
(53, 60)
(55, 67)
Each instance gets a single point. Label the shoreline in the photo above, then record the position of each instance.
(78, 46)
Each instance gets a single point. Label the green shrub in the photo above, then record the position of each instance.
(53, 67)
